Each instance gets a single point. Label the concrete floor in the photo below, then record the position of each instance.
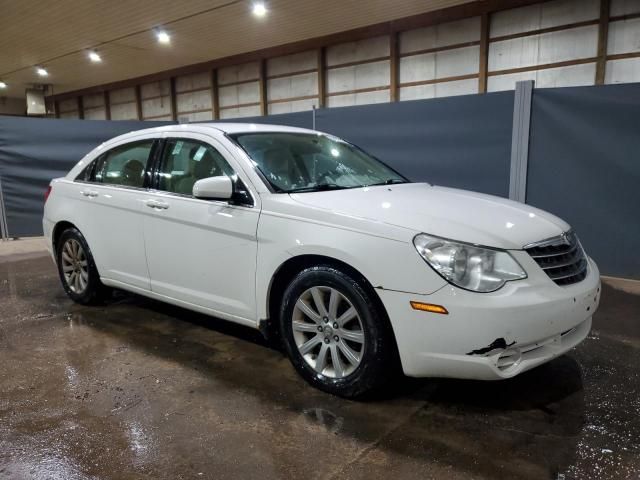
(140, 389)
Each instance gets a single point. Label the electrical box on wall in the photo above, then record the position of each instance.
(35, 102)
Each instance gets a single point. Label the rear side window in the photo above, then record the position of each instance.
(124, 165)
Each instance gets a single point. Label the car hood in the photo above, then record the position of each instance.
(446, 212)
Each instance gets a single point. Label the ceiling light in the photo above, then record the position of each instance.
(42, 71)
(94, 57)
(3, 85)
(259, 9)
(163, 37)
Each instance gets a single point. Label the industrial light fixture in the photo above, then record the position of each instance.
(3, 85)
(94, 56)
(163, 36)
(42, 71)
(259, 9)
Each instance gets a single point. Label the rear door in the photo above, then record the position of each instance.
(111, 191)
(202, 252)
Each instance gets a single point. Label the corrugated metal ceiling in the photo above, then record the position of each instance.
(57, 34)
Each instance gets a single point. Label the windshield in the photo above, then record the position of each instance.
(307, 162)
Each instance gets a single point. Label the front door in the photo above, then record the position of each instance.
(202, 252)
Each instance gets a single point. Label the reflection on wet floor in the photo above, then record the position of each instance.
(141, 389)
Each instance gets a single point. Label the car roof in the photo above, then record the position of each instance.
(221, 127)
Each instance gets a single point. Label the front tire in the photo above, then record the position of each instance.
(77, 270)
(335, 332)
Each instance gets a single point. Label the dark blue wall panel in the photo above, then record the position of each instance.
(462, 142)
(34, 150)
(584, 166)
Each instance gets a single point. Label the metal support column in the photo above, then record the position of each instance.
(520, 141)
(4, 230)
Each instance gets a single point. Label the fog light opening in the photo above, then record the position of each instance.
(509, 359)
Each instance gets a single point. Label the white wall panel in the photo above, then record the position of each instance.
(292, 63)
(239, 94)
(165, 118)
(452, 33)
(122, 95)
(155, 89)
(624, 7)
(93, 100)
(624, 36)
(543, 15)
(199, 100)
(362, 98)
(70, 104)
(552, 47)
(448, 63)
(572, 76)
(193, 82)
(124, 111)
(195, 117)
(290, 87)
(155, 100)
(239, 112)
(358, 51)
(623, 71)
(294, 106)
(69, 115)
(239, 73)
(154, 107)
(95, 114)
(366, 75)
(444, 89)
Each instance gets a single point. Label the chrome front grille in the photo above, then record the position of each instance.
(562, 258)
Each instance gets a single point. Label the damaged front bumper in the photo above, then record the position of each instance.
(492, 336)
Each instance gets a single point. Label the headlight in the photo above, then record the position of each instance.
(467, 266)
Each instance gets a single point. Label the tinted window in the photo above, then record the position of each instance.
(184, 162)
(124, 165)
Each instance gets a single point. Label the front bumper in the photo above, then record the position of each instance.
(491, 336)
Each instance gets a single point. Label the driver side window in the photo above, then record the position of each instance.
(186, 161)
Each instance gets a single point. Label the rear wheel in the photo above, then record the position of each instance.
(334, 335)
(77, 270)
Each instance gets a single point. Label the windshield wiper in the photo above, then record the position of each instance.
(391, 181)
(323, 187)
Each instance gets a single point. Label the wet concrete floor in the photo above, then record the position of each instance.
(138, 389)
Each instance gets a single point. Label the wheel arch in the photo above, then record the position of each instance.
(58, 229)
(285, 273)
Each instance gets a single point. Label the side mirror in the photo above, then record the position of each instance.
(219, 188)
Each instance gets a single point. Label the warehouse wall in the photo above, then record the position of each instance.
(292, 82)
(557, 43)
(12, 106)
(440, 61)
(193, 97)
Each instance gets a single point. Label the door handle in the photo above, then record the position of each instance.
(89, 193)
(156, 204)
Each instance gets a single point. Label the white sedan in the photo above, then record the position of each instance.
(304, 236)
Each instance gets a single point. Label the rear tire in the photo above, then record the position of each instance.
(77, 269)
(336, 334)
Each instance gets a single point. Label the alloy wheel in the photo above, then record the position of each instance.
(328, 332)
(75, 266)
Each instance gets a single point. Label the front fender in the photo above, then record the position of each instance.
(390, 264)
